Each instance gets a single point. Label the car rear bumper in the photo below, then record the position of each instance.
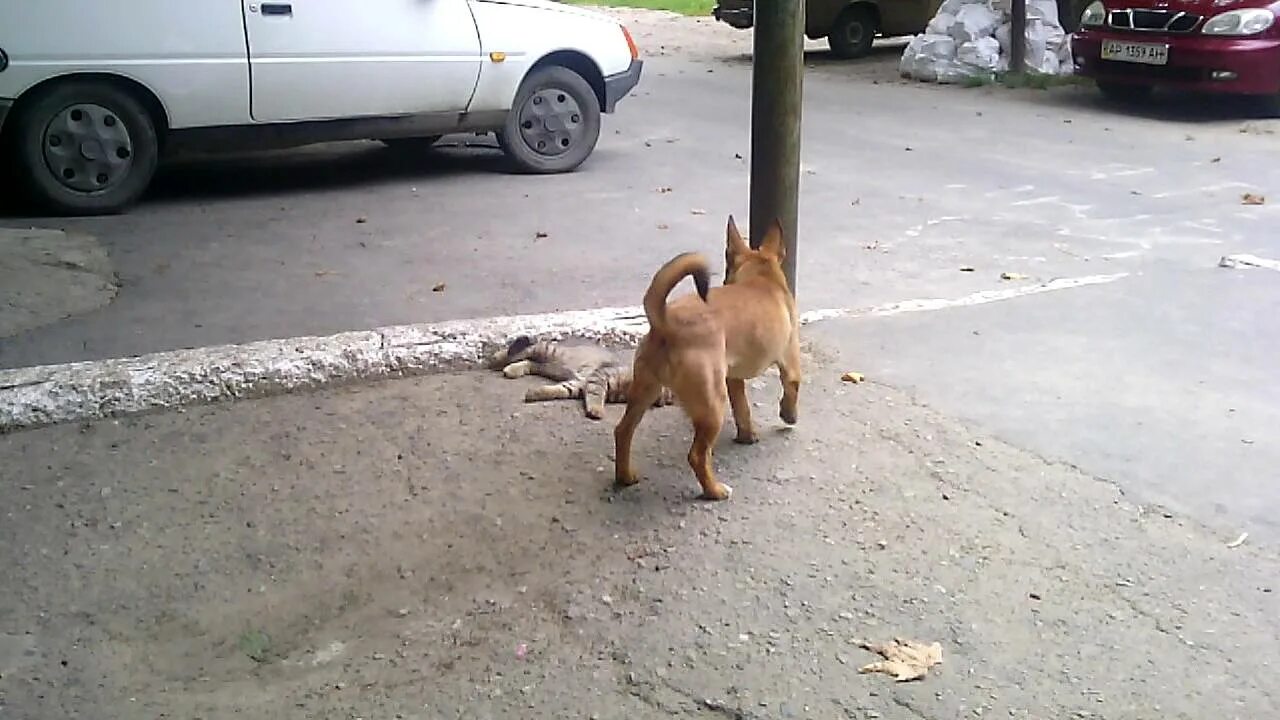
(1246, 66)
(617, 86)
(734, 14)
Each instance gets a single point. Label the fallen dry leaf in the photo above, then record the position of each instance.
(853, 377)
(1252, 199)
(1012, 276)
(439, 287)
(903, 659)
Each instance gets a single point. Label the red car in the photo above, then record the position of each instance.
(1130, 47)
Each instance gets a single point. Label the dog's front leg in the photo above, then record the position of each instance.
(741, 411)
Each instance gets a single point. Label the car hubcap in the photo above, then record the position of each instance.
(551, 122)
(854, 34)
(87, 148)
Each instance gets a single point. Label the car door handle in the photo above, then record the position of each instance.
(277, 9)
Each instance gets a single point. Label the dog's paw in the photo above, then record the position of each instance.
(789, 415)
(719, 491)
(749, 438)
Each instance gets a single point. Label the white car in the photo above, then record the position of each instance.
(93, 92)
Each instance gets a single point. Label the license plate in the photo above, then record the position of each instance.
(1143, 53)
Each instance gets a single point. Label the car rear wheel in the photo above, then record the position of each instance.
(852, 32)
(85, 147)
(1124, 92)
(554, 122)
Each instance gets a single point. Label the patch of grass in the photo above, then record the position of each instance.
(683, 7)
(1027, 80)
(1037, 81)
(256, 644)
(977, 81)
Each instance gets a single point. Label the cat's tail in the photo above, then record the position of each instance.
(665, 280)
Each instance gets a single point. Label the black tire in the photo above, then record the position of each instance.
(1124, 93)
(853, 32)
(119, 115)
(411, 144)
(537, 148)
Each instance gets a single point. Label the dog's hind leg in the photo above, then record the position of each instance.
(789, 373)
(741, 411)
(643, 393)
(706, 428)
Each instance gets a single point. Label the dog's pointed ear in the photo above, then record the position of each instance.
(734, 244)
(773, 243)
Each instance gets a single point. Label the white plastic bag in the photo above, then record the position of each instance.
(951, 72)
(1045, 11)
(907, 64)
(979, 57)
(1066, 60)
(1047, 47)
(938, 47)
(974, 22)
(951, 7)
(941, 24)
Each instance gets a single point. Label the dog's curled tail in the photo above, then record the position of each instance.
(667, 277)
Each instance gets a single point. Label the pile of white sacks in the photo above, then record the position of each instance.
(970, 39)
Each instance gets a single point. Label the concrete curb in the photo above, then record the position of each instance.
(48, 394)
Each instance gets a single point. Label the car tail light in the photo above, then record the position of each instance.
(631, 44)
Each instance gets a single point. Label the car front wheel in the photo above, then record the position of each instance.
(85, 147)
(554, 122)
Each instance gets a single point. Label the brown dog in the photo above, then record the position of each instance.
(701, 346)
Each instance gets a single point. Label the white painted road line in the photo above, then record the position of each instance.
(47, 394)
(978, 298)
(1248, 261)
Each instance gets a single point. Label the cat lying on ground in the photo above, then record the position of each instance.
(581, 369)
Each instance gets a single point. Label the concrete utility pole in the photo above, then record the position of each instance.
(1018, 37)
(777, 82)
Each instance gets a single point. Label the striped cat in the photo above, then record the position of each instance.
(581, 370)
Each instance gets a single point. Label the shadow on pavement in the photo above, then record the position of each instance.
(1167, 106)
(881, 52)
(302, 170)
